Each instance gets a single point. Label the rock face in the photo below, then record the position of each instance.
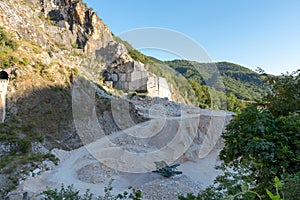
(24, 27)
(71, 23)
(113, 54)
(88, 30)
(158, 87)
(54, 37)
(130, 76)
(124, 73)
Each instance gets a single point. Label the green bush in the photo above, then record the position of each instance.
(7, 61)
(75, 45)
(136, 55)
(234, 104)
(25, 61)
(70, 193)
(284, 97)
(75, 71)
(24, 145)
(265, 139)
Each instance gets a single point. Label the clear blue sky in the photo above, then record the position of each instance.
(253, 33)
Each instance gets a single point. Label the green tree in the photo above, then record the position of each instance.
(284, 96)
(266, 145)
(201, 93)
(234, 104)
(265, 139)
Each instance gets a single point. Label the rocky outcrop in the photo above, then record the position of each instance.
(7, 148)
(88, 30)
(114, 54)
(124, 73)
(51, 23)
(23, 21)
(130, 76)
(158, 87)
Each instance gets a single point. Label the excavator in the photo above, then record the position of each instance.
(166, 170)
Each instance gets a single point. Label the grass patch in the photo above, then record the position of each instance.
(15, 165)
(5, 40)
(12, 127)
(8, 60)
(25, 62)
(41, 157)
(5, 160)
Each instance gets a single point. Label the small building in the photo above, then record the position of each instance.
(3, 90)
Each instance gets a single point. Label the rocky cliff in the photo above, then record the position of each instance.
(58, 24)
(55, 38)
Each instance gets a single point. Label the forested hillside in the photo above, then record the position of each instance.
(241, 81)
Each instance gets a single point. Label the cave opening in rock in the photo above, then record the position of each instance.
(3, 75)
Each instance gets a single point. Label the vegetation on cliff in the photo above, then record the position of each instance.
(5, 41)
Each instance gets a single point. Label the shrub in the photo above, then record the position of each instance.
(70, 193)
(284, 96)
(75, 45)
(6, 42)
(24, 145)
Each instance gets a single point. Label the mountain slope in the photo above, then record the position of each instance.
(244, 83)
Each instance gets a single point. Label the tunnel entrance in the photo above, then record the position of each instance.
(3, 75)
